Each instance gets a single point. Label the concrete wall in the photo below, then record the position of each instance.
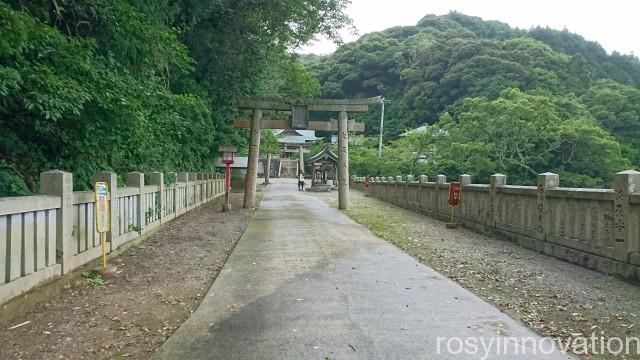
(595, 228)
(42, 237)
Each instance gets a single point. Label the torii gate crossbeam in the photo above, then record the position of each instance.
(300, 120)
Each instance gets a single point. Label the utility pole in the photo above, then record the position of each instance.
(381, 126)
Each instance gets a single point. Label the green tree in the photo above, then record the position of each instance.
(503, 99)
(523, 134)
(269, 143)
(617, 108)
(144, 85)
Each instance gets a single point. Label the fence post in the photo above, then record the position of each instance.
(464, 179)
(136, 179)
(400, 191)
(183, 177)
(625, 183)
(441, 180)
(111, 179)
(214, 177)
(495, 181)
(174, 203)
(201, 185)
(192, 183)
(60, 183)
(205, 186)
(157, 178)
(545, 182)
(216, 184)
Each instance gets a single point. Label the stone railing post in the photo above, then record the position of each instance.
(114, 216)
(217, 187)
(183, 177)
(410, 201)
(207, 177)
(60, 183)
(203, 186)
(157, 178)
(545, 182)
(625, 183)
(174, 206)
(464, 180)
(441, 181)
(389, 190)
(495, 181)
(421, 198)
(214, 177)
(401, 190)
(192, 183)
(136, 179)
(212, 187)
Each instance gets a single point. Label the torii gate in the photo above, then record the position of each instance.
(300, 120)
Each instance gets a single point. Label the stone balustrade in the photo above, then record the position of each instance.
(43, 237)
(595, 228)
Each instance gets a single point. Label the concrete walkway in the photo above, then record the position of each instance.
(306, 282)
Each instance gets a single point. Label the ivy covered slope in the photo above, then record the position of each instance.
(143, 85)
(504, 100)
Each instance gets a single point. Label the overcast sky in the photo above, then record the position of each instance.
(615, 24)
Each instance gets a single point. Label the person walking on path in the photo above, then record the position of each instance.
(301, 181)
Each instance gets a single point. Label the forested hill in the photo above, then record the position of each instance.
(442, 59)
(456, 64)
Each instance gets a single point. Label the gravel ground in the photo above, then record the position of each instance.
(159, 283)
(552, 297)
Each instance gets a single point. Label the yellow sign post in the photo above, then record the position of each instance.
(101, 191)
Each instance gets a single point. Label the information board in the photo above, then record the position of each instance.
(102, 206)
(454, 193)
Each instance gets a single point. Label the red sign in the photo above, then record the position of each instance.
(454, 193)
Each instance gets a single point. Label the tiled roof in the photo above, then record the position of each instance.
(325, 154)
(295, 136)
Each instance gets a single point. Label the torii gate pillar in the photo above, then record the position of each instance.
(252, 162)
(343, 162)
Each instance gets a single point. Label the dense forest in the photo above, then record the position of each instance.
(497, 99)
(147, 85)
(123, 85)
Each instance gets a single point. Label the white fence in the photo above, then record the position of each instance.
(45, 236)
